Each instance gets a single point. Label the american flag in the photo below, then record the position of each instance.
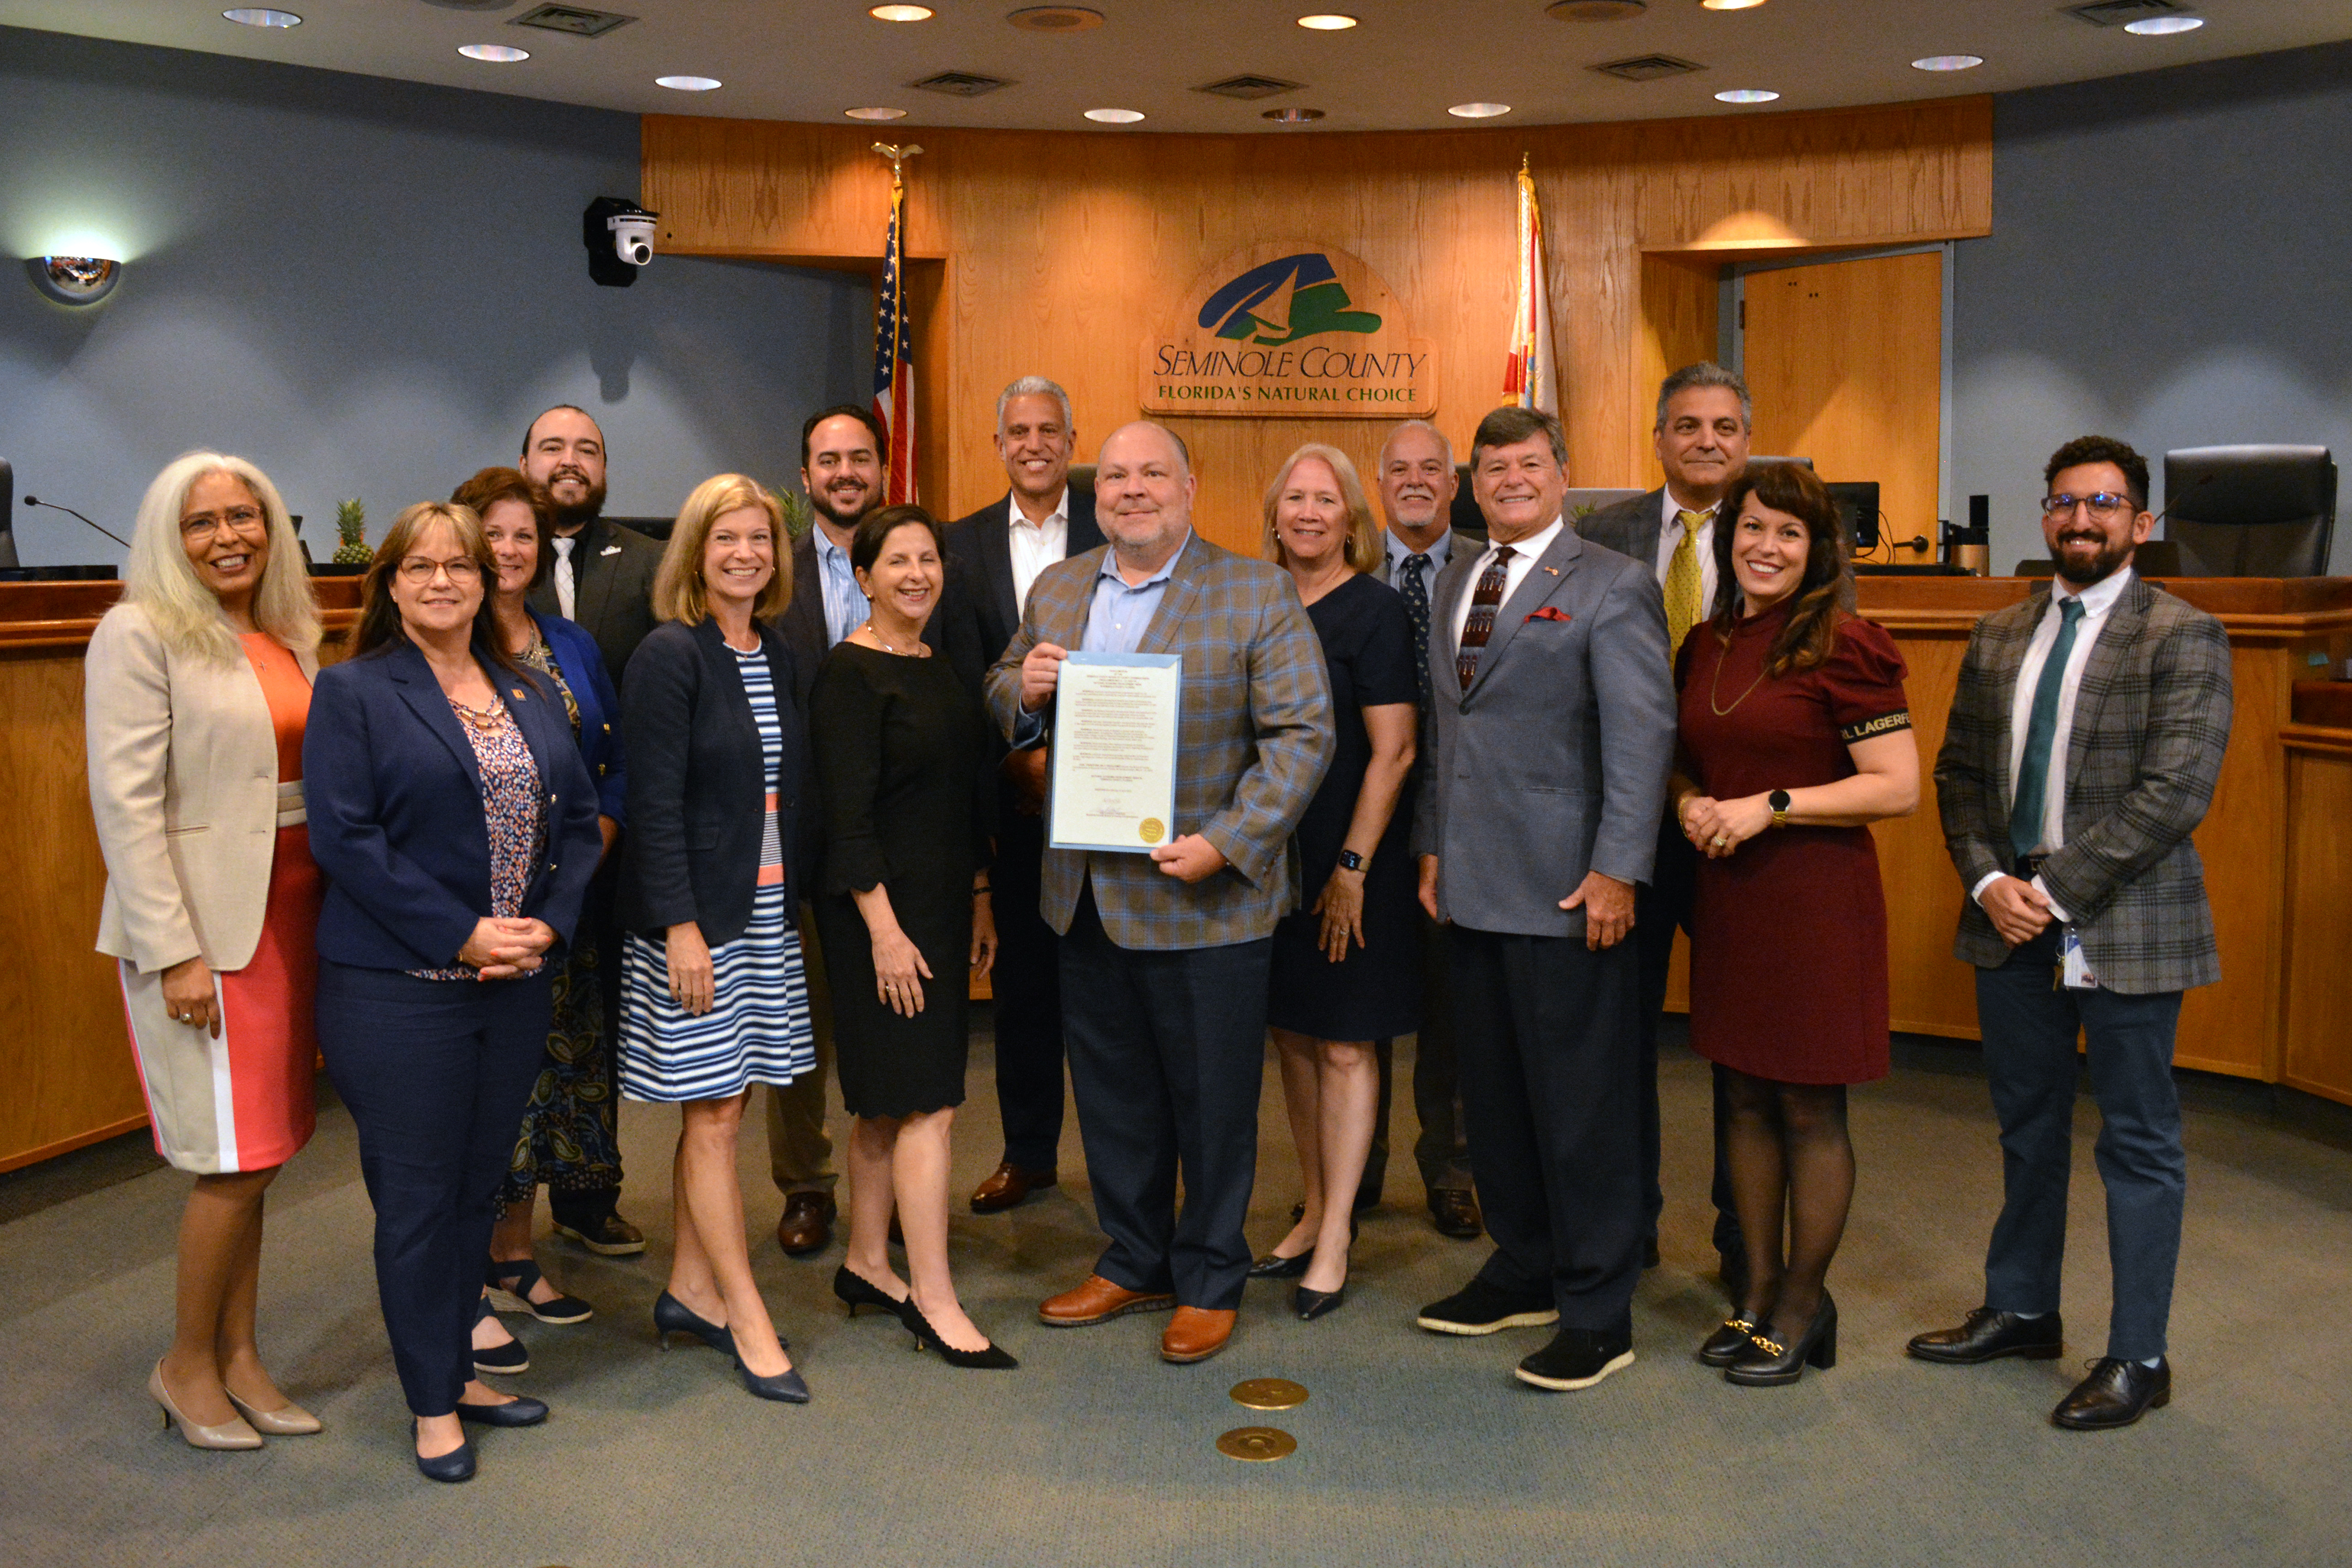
(1530, 379)
(894, 364)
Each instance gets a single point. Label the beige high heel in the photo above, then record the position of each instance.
(288, 1420)
(230, 1433)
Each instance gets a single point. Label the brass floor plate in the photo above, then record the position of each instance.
(1257, 1443)
(1269, 1393)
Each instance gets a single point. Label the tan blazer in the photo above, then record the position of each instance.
(183, 785)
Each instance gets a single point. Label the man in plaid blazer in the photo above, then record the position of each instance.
(1164, 957)
(2085, 739)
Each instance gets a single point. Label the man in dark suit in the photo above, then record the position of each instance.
(1703, 425)
(2085, 741)
(1553, 716)
(1417, 483)
(994, 556)
(603, 579)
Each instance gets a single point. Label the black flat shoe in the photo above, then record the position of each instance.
(521, 1411)
(1312, 1304)
(456, 1465)
(1577, 1358)
(1274, 1266)
(991, 1358)
(787, 1387)
(1988, 1335)
(1767, 1363)
(500, 1361)
(511, 1284)
(854, 1291)
(2117, 1393)
(672, 1316)
(1724, 1346)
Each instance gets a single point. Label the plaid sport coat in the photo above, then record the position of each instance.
(2151, 721)
(1256, 738)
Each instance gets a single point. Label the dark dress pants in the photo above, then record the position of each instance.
(1549, 1054)
(1028, 981)
(583, 1209)
(1661, 907)
(2030, 1026)
(436, 1074)
(1167, 1051)
(1442, 1152)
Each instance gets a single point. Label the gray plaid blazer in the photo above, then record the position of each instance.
(1256, 737)
(2151, 721)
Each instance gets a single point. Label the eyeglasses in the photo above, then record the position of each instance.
(2104, 507)
(205, 525)
(417, 569)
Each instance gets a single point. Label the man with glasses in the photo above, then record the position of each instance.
(2085, 740)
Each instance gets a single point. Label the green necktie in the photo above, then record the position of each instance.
(1683, 610)
(2040, 733)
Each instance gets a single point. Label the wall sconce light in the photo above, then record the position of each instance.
(75, 280)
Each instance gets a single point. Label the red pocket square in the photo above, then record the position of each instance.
(1549, 613)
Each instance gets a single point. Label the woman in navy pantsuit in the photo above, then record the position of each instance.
(455, 825)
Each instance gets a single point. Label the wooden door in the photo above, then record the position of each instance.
(1845, 362)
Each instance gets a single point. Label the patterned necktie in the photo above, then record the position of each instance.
(1415, 589)
(1483, 602)
(2041, 734)
(1683, 610)
(566, 592)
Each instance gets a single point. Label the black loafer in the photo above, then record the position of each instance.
(521, 1411)
(1728, 1343)
(1454, 1212)
(1577, 1358)
(1988, 1335)
(2117, 1393)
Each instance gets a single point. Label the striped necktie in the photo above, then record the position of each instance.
(1485, 601)
(1683, 610)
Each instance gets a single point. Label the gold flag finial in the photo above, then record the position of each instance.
(1523, 162)
(898, 155)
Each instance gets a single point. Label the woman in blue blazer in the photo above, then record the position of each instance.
(456, 826)
(568, 1139)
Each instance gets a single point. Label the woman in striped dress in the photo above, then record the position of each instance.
(713, 999)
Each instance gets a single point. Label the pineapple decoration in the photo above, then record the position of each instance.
(351, 531)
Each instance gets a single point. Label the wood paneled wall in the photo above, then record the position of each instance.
(1060, 251)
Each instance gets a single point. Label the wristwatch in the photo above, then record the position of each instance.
(1350, 861)
(1778, 801)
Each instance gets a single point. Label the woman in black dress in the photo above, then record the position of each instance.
(1345, 968)
(900, 743)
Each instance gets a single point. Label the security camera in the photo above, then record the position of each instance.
(619, 235)
(633, 235)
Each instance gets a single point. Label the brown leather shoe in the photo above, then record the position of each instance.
(1195, 1333)
(1099, 1301)
(1454, 1212)
(1007, 1186)
(808, 1222)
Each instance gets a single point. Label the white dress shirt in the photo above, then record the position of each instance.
(2098, 600)
(1036, 546)
(1522, 562)
(1670, 534)
(1399, 552)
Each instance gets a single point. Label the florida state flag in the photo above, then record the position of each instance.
(1530, 379)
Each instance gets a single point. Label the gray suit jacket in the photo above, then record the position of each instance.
(1471, 540)
(1628, 528)
(1554, 762)
(2151, 721)
(613, 571)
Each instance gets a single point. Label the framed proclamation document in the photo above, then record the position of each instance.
(1114, 752)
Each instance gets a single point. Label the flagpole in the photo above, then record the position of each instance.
(894, 370)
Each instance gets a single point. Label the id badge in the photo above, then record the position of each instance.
(2074, 969)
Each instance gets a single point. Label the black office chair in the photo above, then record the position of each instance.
(2157, 558)
(2251, 511)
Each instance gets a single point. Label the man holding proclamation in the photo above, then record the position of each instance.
(1164, 952)
(2085, 741)
(1553, 715)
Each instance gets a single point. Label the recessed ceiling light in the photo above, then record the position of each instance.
(261, 16)
(1327, 22)
(1594, 10)
(497, 54)
(1948, 63)
(1291, 116)
(1478, 110)
(875, 113)
(1730, 5)
(900, 13)
(1056, 19)
(687, 83)
(1746, 95)
(1115, 116)
(2157, 26)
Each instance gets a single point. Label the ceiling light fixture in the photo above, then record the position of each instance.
(261, 16)
(1327, 22)
(2158, 26)
(1291, 116)
(900, 13)
(1115, 116)
(1056, 19)
(1948, 63)
(1478, 110)
(75, 280)
(688, 83)
(877, 113)
(1731, 5)
(497, 54)
(1594, 10)
(1746, 95)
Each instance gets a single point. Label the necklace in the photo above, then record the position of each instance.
(1715, 687)
(918, 651)
(483, 719)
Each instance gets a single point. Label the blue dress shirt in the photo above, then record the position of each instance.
(1121, 613)
(845, 606)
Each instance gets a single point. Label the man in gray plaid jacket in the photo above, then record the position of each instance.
(2085, 739)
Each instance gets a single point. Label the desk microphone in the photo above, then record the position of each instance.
(36, 500)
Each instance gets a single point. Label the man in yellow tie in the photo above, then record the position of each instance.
(1704, 422)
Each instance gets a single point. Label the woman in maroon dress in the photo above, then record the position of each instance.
(1795, 735)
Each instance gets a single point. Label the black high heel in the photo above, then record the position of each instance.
(854, 1291)
(672, 1316)
(1725, 1345)
(992, 1358)
(1768, 1364)
(1312, 1304)
(1274, 1266)
(787, 1387)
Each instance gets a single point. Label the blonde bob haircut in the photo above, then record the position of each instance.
(1361, 551)
(160, 579)
(679, 592)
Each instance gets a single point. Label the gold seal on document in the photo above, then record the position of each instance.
(1257, 1443)
(1151, 830)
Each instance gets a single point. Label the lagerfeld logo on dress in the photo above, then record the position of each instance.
(1288, 330)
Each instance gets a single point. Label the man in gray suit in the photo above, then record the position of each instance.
(2085, 741)
(1703, 425)
(1553, 718)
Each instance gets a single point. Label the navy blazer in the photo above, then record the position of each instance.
(979, 597)
(398, 825)
(582, 664)
(699, 785)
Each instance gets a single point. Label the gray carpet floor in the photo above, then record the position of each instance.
(1412, 1449)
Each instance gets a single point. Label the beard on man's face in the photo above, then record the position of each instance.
(569, 518)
